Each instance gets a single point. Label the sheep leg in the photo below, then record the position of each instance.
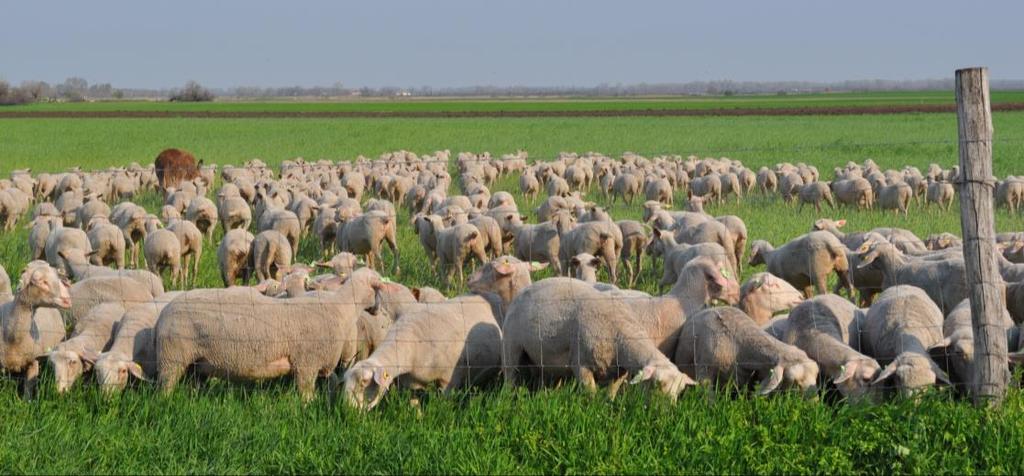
(31, 381)
(586, 378)
(616, 385)
(305, 380)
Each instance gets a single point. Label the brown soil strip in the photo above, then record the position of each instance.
(788, 111)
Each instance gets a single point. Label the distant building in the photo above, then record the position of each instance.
(403, 93)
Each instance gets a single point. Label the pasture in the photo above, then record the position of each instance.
(238, 428)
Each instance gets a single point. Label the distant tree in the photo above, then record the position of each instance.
(117, 94)
(73, 89)
(39, 90)
(10, 95)
(192, 92)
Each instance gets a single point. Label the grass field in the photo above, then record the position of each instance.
(234, 428)
(821, 100)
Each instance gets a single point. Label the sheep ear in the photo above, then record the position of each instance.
(887, 372)
(595, 262)
(770, 383)
(846, 372)
(381, 377)
(939, 353)
(643, 375)
(470, 237)
(840, 223)
(574, 261)
(1015, 357)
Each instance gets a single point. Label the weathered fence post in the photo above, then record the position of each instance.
(974, 117)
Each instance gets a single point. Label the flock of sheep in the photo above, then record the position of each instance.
(366, 333)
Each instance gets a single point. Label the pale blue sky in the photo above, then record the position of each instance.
(523, 42)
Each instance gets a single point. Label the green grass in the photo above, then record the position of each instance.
(238, 428)
(530, 104)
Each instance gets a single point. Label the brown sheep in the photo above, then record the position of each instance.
(173, 166)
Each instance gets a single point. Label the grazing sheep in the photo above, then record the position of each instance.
(5, 286)
(89, 293)
(163, 250)
(899, 329)
(541, 242)
(765, 294)
(634, 240)
(271, 255)
(723, 345)
(767, 181)
(789, 185)
(454, 245)
(828, 328)
(542, 319)
(203, 212)
(854, 191)
(107, 243)
(504, 277)
(942, 194)
(283, 221)
(191, 240)
(239, 333)
(711, 231)
(709, 187)
(956, 354)
(942, 241)
(63, 240)
(31, 323)
(132, 351)
(904, 240)
(490, 234)
(944, 281)
(678, 255)
(233, 256)
(452, 344)
(895, 197)
(529, 186)
(806, 261)
(659, 190)
(131, 219)
(595, 238)
(93, 333)
(82, 270)
(625, 186)
(40, 231)
(814, 193)
(234, 212)
(738, 230)
(594, 337)
(363, 236)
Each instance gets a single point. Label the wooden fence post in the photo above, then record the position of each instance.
(974, 117)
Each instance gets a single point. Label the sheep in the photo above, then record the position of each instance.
(490, 234)
(131, 219)
(828, 328)
(132, 352)
(557, 186)
(93, 207)
(625, 186)
(82, 270)
(234, 212)
(944, 281)
(738, 230)
(940, 193)
(32, 323)
(634, 240)
(363, 236)
(789, 185)
(93, 333)
(233, 256)
(504, 277)
(942, 241)
(806, 261)
(711, 231)
(542, 319)
(814, 193)
(956, 353)
(1009, 192)
(529, 186)
(89, 293)
(40, 231)
(191, 239)
(767, 181)
(593, 336)
(163, 250)
(550, 207)
(203, 212)
(107, 243)
(708, 187)
(61, 240)
(895, 197)
(676, 256)
(271, 255)
(341, 264)
(659, 190)
(904, 240)
(237, 332)
(596, 238)
(169, 213)
(723, 344)
(586, 266)
(765, 294)
(454, 245)
(453, 344)
(283, 221)
(898, 330)
(854, 191)
(540, 242)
